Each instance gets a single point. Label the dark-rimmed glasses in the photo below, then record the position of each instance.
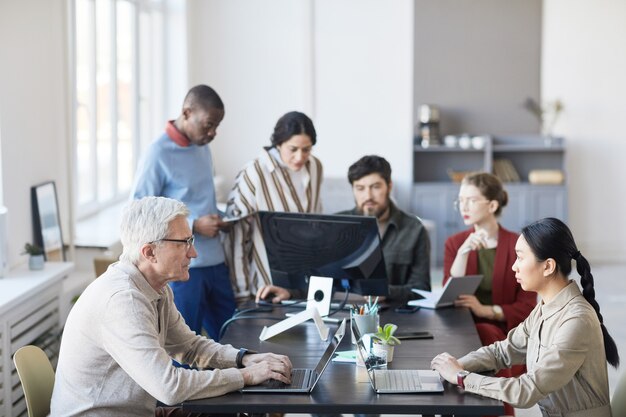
(188, 242)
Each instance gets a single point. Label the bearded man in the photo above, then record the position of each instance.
(405, 242)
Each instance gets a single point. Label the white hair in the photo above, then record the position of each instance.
(147, 220)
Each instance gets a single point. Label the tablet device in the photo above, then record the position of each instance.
(445, 297)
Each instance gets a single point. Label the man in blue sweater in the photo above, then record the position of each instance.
(179, 165)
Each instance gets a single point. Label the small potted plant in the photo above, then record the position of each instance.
(384, 340)
(36, 258)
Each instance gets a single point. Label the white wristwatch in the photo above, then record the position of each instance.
(497, 312)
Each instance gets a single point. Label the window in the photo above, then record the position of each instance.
(119, 87)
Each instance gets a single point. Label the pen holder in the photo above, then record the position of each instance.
(366, 323)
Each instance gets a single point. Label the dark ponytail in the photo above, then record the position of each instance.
(551, 238)
(586, 281)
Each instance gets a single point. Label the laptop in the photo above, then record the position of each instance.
(302, 380)
(396, 381)
(445, 297)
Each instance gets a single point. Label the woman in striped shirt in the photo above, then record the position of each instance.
(284, 177)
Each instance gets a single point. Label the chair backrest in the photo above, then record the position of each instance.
(37, 378)
(618, 401)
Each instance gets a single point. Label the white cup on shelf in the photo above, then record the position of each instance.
(465, 141)
(450, 141)
(478, 142)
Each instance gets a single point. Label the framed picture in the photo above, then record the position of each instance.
(46, 221)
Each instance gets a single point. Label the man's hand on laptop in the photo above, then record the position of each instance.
(272, 293)
(259, 367)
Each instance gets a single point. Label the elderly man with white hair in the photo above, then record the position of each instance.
(124, 330)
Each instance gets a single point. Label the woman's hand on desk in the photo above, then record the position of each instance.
(447, 366)
(272, 294)
(259, 367)
(471, 302)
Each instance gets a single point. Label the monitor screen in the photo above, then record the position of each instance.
(342, 247)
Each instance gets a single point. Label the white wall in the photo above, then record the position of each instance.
(33, 108)
(364, 85)
(478, 60)
(330, 59)
(583, 64)
(257, 57)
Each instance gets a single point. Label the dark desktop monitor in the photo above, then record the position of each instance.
(346, 248)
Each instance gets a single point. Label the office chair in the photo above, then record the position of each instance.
(37, 379)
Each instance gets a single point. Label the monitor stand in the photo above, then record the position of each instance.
(318, 299)
(289, 322)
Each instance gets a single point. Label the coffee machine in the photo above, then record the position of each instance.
(428, 126)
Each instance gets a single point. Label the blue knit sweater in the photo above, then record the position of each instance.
(184, 174)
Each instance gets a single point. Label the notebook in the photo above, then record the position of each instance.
(302, 380)
(396, 381)
(445, 297)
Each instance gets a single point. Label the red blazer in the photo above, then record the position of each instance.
(506, 292)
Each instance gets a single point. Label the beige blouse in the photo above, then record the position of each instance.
(562, 346)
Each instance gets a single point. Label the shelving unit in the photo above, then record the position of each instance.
(434, 192)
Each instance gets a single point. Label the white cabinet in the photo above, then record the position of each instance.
(29, 315)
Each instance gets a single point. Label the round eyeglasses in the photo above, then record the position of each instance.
(469, 202)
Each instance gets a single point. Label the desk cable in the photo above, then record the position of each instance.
(242, 314)
(345, 284)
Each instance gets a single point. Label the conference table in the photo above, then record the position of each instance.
(344, 387)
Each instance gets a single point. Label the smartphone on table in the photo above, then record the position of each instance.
(413, 335)
(406, 309)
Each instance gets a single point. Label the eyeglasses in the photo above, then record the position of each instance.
(188, 242)
(470, 202)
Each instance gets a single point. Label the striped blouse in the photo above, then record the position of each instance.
(265, 183)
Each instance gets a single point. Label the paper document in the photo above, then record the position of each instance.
(445, 296)
(345, 356)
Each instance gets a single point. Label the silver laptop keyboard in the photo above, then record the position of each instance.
(298, 377)
(402, 380)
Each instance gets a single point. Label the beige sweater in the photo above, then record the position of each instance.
(117, 349)
(562, 346)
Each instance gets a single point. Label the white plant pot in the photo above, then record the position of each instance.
(36, 262)
(380, 347)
